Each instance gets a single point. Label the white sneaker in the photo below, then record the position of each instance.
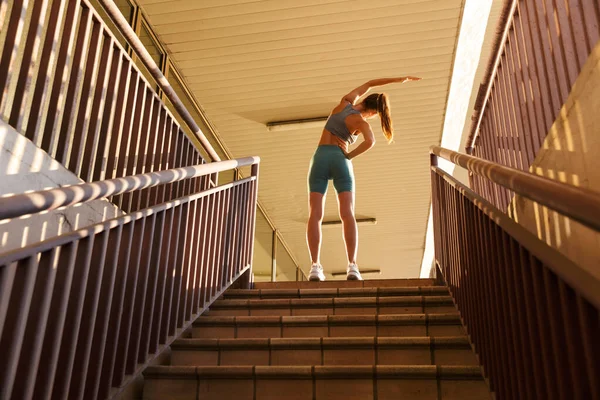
(316, 273)
(352, 273)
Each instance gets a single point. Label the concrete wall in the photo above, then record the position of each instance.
(570, 154)
(24, 167)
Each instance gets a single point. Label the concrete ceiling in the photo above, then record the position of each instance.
(252, 62)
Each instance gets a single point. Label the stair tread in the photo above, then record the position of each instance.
(336, 301)
(318, 342)
(322, 319)
(318, 371)
(346, 284)
(335, 292)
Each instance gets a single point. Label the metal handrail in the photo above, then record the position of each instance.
(51, 199)
(578, 278)
(582, 205)
(137, 45)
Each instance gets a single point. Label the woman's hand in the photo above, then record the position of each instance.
(410, 78)
(343, 148)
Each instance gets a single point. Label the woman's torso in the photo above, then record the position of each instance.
(343, 115)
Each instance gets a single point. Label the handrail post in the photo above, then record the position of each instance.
(274, 257)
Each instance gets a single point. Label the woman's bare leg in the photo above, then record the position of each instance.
(346, 207)
(316, 204)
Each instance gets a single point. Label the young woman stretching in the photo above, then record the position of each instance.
(333, 161)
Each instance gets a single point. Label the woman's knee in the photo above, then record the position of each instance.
(346, 213)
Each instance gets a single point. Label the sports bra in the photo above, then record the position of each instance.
(336, 124)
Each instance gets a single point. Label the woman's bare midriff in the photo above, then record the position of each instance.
(328, 138)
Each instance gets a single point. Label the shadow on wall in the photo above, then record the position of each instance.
(570, 155)
(26, 168)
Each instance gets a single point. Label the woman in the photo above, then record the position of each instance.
(333, 161)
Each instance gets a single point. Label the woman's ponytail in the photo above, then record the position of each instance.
(385, 115)
(379, 102)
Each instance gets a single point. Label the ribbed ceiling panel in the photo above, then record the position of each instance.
(252, 62)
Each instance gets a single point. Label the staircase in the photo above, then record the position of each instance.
(387, 339)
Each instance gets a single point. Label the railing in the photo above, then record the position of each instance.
(532, 314)
(539, 56)
(69, 86)
(82, 313)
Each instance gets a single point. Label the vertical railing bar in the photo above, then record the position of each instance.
(55, 325)
(523, 97)
(88, 318)
(194, 261)
(46, 73)
(221, 249)
(75, 307)
(151, 158)
(507, 118)
(6, 8)
(116, 309)
(133, 154)
(15, 324)
(206, 239)
(159, 155)
(127, 130)
(163, 273)
(561, 363)
(171, 189)
(516, 111)
(139, 301)
(51, 119)
(552, 63)
(41, 27)
(233, 262)
(101, 328)
(124, 342)
(522, 369)
(201, 262)
(79, 129)
(119, 125)
(74, 88)
(211, 249)
(190, 232)
(147, 120)
(493, 356)
(100, 164)
(99, 95)
(25, 64)
(507, 323)
(589, 323)
(575, 350)
(548, 89)
(539, 111)
(527, 78)
(217, 244)
(542, 329)
(177, 273)
(531, 310)
(9, 62)
(37, 319)
(150, 303)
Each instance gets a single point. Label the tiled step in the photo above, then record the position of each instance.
(405, 325)
(415, 382)
(333, 306)
(346, 284)
(295, 293)
(453, 350)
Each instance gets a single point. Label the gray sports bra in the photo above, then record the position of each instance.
(336, 124)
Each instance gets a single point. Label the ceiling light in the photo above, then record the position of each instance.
(359, 221)
(292, 124)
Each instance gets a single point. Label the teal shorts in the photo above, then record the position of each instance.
(329, 162)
